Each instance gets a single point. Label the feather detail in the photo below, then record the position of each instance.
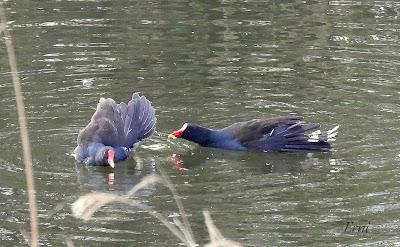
(115, 126)
(282, 134)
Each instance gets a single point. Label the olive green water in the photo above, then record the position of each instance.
(212, 63)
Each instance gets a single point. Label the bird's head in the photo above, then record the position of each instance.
(194, 133)
(106, 155)
(178, 133)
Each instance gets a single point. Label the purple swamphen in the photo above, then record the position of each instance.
(115, 130)
(281, 134)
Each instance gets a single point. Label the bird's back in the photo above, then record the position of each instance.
(255, 129)
(106, 125)
(117, 125)
(279, 134)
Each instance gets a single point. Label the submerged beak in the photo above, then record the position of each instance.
(110, 160)
(111, 163)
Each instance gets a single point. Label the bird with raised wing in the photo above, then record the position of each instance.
(115, 130)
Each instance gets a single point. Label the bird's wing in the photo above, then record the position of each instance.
(280, 134)
(255, 129)
(139, 121)
(106, 125)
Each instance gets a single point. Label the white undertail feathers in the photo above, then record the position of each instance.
(324, 136)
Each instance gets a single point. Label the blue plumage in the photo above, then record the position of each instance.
(115, 130)
(282, 134)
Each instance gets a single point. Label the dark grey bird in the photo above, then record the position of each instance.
(115, 130)
(281, 134)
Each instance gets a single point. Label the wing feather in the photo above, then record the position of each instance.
(281, 134)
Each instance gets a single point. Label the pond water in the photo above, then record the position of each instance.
(212, 63)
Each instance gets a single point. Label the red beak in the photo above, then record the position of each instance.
(178, 133)
(111, 156)
(175, 134)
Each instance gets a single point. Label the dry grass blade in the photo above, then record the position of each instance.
(149, 180)
(216, 238)
(187, 228)
(69, 243)
(87, 205)
(34, 239)
(170, 227)
(178, 223)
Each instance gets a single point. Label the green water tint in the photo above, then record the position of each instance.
(213, 64)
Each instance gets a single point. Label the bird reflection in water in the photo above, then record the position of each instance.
(178, 163)
(111, 181)
(261, 163)
(120, 179)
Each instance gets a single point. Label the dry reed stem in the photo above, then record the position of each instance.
(88, 204)
(170, 227)
(216, 238)
(69, 243)
(151, 179)
(30, 183)
(188, 230)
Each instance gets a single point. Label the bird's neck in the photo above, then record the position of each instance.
(201, 135)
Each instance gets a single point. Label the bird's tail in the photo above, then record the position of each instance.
(139, 119)
(324, 136)
(301, 141)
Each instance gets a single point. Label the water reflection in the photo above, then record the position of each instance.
(120, 179)
(213, 63)
(263, 163)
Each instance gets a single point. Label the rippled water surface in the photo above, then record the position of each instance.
(211, 63)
